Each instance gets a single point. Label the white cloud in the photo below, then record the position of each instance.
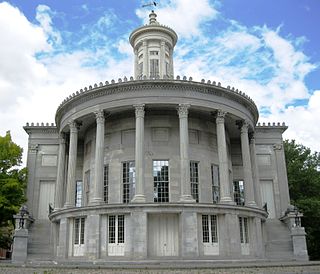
(184, 16)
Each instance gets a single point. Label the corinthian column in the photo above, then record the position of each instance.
(184, 155)
(58, 200)
(255, 171)
(247, 169)
(97, 195)
(71, 179)
(139, 196)
(225, 197)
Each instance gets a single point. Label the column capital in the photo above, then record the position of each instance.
(243, 126)
(162, 42)
(139, 110)
(62, 139)
(220, 116)
(100, 116)
(183, 110)
(74, 126)
(252, 137)
(144, 43)
(277, 146)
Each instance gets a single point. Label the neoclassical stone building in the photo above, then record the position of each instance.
(158, 167)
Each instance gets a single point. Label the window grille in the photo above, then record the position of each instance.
(209, 229)
(128, 179)
(116, 229)
(161, 181)
(244, 231)
(105, 183)
(215, 183)
(87, 185)
(238, 192)
(154, 68)
(79, 230)
(78, 193)
(194, 180)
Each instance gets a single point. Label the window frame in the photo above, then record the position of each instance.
(162, 185)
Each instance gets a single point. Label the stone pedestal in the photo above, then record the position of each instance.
(300, 251)
(189, 228)
(20, 245)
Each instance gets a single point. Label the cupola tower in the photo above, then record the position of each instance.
(153, 46)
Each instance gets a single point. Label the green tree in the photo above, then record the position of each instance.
(12, 186)
(303, 168)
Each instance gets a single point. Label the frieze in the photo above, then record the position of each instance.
(142, 85)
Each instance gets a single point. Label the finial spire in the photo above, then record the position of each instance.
(152, 18)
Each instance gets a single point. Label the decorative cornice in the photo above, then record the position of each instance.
(162, 84)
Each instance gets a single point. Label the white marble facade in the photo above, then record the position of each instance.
(157, 167)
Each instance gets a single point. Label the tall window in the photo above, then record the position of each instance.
(140, 70)
(129, 180)
(105, 183)
(161, 181)
(87, 185)
(154, 68)
(215, 183)
(209, 229)
(238, 192)
(79, 231)
(244, 233)
(116, 229)
(78, 193)
(194, 180)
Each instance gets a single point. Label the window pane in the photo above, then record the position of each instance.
(105, 183)
(82, 231)
(154, 68)
(76, 231)
(205, 229)
(238, 192)
(161, 181)
(194, 179)
(215, 183)
(214, 229)
(129, 181)
(112, 229)
(78, 193)
(121, 229)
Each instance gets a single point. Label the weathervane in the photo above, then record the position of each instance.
(151, 4)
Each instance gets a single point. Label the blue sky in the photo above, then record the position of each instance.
(268, 49)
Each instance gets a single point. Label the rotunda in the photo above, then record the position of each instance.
(158, 167)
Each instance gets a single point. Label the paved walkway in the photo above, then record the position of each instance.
(189, 267)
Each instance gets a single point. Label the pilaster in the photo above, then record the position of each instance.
(255, 171)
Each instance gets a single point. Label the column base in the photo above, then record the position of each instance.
(68, 205)
(96, 201)
(252, 204)
(139, 198)
(186, 199)
(226, 201)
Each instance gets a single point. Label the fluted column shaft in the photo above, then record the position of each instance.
(255, 172)
(136, 64)
(162, 59)
(184, 154)
(145, 59)
(71, 179)
(225, 196)
(97, 195)
(247, 169)
(58, 198)
(139, 196)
